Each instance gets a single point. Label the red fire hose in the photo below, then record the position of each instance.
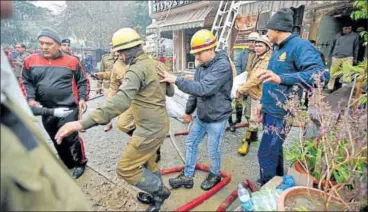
(200, 199)
(240, 125)
(230, 199)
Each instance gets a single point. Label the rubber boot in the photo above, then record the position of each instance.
(253, 135)
(144, 197)
(152, 184)
(158, 152)
(244, 148)
(231, 123)
(130, 133)
(239, 113)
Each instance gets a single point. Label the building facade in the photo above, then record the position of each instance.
(179, 20)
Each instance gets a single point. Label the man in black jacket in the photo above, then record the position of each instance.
(210, 95)
(55, 80)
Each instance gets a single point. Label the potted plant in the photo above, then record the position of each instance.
(336, 155)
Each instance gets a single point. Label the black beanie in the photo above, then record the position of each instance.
(282, 20)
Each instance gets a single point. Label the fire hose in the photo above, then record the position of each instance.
(203, 197)
(200, 199)
(230, 199)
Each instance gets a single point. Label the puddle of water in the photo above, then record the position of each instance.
(303, 201)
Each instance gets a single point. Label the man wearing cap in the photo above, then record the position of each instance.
(344, 48)
(294, 61)
(65, 48)
(142, 92)
(210, 95)
(107, 63)
(52, 80)
(253, 89)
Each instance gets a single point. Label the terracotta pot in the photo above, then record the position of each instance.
(300, 169)
(298, 190)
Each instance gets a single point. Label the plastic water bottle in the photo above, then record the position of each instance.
(244, 198)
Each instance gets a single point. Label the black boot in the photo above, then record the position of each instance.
(78, 171)
(152, 184)
(181, 180)
(239, 113)
(210, 181)
(158, 199)
(158, 152)
(130, 133)
(253, 135)
(144, 198)
(231, 123)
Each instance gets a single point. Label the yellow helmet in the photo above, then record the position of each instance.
(125, 38)
(202, 40)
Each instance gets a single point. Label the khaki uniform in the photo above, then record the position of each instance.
(32, 178)
(251, 56)
(335, 66)
(142, 92)
(107, 63)
(125, 121)
(253, 88)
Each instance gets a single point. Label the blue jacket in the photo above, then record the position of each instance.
(295, 60)
(241, 62)
(210, 90)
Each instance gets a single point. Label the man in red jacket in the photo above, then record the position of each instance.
(52, 79)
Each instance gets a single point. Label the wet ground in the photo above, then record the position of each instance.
(107, 192)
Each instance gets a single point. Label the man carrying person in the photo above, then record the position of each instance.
(294, 61)
(210, 94)
(54, 80)
(344, 48)
(141, 91)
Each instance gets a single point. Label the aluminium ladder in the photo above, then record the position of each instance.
(224, 21)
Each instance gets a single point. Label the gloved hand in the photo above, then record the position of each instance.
(62, 112)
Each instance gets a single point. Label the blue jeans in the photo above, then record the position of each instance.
(215, 133)
(270, 154)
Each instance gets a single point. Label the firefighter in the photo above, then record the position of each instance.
(107, 63)
(141, 91)
(125, 121)
(253, 88)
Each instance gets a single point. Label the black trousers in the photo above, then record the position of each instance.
(71, 150)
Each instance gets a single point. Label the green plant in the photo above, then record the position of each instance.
(337, 154)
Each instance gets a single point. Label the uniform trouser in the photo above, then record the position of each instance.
(270, 153)
(198, 130)
(335, 66)
(106, 94)
(251, 113)
(126, 122)
(71, 150)
(139, 154)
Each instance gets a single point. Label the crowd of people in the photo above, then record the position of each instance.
(56, 86)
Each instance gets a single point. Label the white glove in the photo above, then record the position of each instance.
(62, 112)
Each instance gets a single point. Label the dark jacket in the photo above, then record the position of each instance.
(241, 61)
(210, 90)
(54, 82)
(345, 46)
(295, 60)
